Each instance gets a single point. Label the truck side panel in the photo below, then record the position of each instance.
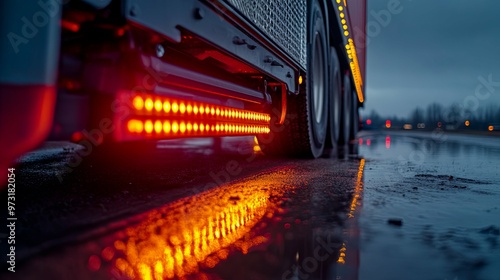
(357, 17)
(29, 52)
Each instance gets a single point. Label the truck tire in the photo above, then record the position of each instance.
(309, 128)
(305, 130)
(346, 123)
(335, 100)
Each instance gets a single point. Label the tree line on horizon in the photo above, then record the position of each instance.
(436, 115)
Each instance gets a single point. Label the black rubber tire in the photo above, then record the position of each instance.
(305, 130)
(335, 100)
(346, 123)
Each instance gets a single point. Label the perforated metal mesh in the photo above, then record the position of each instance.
(284, 21)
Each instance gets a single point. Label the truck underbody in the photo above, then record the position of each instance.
(121, 71)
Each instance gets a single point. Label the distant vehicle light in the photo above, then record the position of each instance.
(467, 123)
(491, 128)
(439, 124)
(387, 124)
(368, 121)
(407, 126)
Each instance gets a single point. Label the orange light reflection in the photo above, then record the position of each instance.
(194, 232)
(358, 191)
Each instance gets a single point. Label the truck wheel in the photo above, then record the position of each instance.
(346, 123)
(305, 129)
(335, 100)
(311, 106)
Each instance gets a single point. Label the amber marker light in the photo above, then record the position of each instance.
(182, 127)
(135, 126)
(148, 126)
(175, 127)
(158, 126)
(158, 105)
(175, 107)
(138, 103)
(166, 126)
(148, 104)
(166, 107)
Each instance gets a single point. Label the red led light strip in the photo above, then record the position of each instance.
(149, 105)
(165, 117)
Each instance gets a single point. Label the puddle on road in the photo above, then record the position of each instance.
(289, 222)
(447, 196)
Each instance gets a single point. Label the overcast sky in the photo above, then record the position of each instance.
(431, 51)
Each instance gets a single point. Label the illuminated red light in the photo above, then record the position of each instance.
(158, 127)
(170, 119)
(368, 121)
(94, 263)
(175, 107)
(158, 105)
(72, 26)
(135, 126)
(148, 126)
(166, 126)
(175, 127)
(166, 106)
(148, 104)
(138, 103)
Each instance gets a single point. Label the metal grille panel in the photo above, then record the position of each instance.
(284, 21)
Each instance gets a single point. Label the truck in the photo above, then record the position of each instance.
(104, 73)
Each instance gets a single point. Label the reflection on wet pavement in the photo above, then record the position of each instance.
(295, 220)
(193, 233)
(445, 191)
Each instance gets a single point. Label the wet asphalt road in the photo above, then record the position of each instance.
(404, 206)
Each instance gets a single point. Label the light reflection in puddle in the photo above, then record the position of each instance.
(351, 231)
(192, 233)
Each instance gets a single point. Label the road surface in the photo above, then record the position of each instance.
(405, 205)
